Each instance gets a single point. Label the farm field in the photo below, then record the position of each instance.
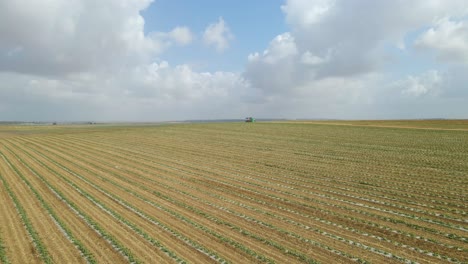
(273, 192)
(437, 124)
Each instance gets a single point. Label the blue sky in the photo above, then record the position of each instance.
(409, 61)
(252, 24)
(145, 60)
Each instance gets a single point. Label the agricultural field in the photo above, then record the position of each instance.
(437, 124)
(273, 192)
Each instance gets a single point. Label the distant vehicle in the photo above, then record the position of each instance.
(249, 119)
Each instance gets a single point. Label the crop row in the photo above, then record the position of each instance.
(409, 216)
(218, 221)
(288, 233)
(339, 197)
(286, 175)
(257, 176)
(92, 223)
(305, 227)
(339, 149)
(38, 244)
(3, 255)
(209, 231)
(152, 219)
(134, 227)
(376, 250)
(61, 225)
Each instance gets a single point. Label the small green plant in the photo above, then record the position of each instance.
(38, 244)
(3, 255)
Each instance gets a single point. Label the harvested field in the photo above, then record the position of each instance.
(276, 192)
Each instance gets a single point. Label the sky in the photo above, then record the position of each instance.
(163, 60)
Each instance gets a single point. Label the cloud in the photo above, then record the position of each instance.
(88, 60)
(56, 37)
(83, 59)
(149, 92)
(218, 35)
(336, 56)
(182, 82)
(448, 39)
(449, 83)
(310, 59)
(275, 70)
(281, 48)
(356, 34)
(181, 35)
(306, 13)
(426, 84)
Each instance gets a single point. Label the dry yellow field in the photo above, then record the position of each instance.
(283, 192)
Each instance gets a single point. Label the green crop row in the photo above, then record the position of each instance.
(38, 244)
(323, 221)
(114, 214)
(3, 254)
(147, 152)
(410, 216)
(328, 187)
(285, 176)
(392, 220)
(302, 164)
(312, 201)
(93, 224)
(292, 252)
(346, 241)
(439, 216)
(291, 234)
(419, 250)
(154, 221)
(82, 248)
(187, 220)
(296, 254)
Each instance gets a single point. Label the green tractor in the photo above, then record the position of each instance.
(249, 120)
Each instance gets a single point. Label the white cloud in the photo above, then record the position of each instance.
(306, 12)
(88, 60)
(275, 69)
(253, 57)
(449, 83)
(57, 37)
(182, 82)
(218, 35)
(148, 92)
(358, 32)
(426, 84)
(281, 47)
(181, 35)
(310, 59)
(83, 59)
(336, 57)
(448, 38)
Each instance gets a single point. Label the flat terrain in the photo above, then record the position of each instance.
(436, 124)
(274, 192)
